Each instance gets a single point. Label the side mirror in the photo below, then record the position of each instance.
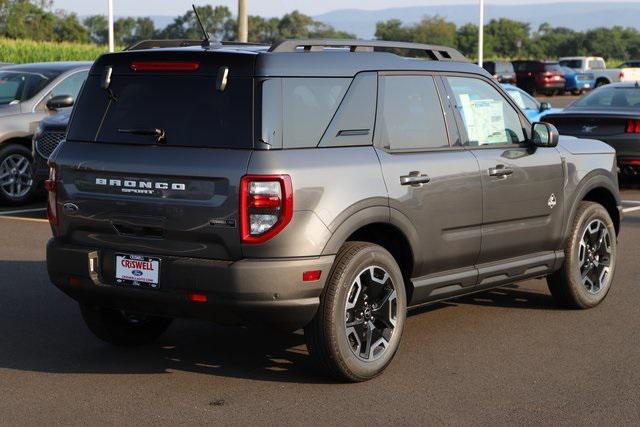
(60, 101)
(545, 106)
(544, 135)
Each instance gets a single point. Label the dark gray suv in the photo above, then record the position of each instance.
(324, 185)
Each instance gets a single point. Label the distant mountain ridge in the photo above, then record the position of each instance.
(577, 16)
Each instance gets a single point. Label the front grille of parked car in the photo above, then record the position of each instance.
(47, 142)
(584, 77)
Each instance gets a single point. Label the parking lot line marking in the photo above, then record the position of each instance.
(22, 211)
(629, 210)
(632, 202)
(21, 218)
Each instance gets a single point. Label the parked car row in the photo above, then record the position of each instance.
(610, 114)
(574, 75)
(28, 94)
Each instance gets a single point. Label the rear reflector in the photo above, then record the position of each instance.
(633, 126)
(311, 276)
(165, 66)
(200, 298)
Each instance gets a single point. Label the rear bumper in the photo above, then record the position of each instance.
(269, 292)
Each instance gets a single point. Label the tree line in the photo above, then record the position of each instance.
(504, 38)
(34, 20)
(508, 39)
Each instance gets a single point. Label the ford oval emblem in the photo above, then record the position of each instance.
(137, 273)
(71, 208)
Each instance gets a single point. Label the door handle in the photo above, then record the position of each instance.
(414, 179)
(500, 171)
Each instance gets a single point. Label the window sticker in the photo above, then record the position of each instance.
(484, 119)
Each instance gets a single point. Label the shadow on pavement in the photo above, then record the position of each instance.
(42, 331)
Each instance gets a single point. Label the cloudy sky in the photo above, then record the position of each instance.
(262, 7)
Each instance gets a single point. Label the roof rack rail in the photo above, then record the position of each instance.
(169, 43)
(433, 52)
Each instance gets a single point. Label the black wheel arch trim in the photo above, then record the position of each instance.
(591, 182)
(370, 216)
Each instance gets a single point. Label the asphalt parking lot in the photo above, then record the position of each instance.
(507, 356)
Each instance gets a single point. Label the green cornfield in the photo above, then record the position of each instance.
(25, 51)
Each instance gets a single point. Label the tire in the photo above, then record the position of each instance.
(122, 329)
(358, 280)
(601, 83)
(592, 228)
(17, 186)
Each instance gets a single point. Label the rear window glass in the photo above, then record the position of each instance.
(611, 97)
(504, 67)
(187, 108)
(572, 63)
(490, 67)
(526, 66)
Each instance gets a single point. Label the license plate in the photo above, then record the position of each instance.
(138, 271)
(587, 85)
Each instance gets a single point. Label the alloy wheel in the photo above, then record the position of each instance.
(371, 313)
(595, 257)
(15, 176)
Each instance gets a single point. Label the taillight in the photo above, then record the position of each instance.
(266, 206)
(51, 185)
(633, 126)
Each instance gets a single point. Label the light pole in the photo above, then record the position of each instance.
(111, 38)
(243, 22)
(481, 35)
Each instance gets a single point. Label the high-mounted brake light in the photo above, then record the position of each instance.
(633, 126)
(266, 206)
(165, 66)
(51, 185)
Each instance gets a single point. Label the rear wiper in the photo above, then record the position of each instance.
(159, 134)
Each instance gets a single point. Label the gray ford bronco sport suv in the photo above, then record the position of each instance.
(324, 185)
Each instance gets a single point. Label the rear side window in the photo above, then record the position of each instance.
(572, 63)
(410, 114)
(188, 108)
(297, 111)
(597, 64)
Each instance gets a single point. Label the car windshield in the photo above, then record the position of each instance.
(611, 97)
(522, 99)
(17, 86)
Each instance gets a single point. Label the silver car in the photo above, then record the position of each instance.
(29, 93)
